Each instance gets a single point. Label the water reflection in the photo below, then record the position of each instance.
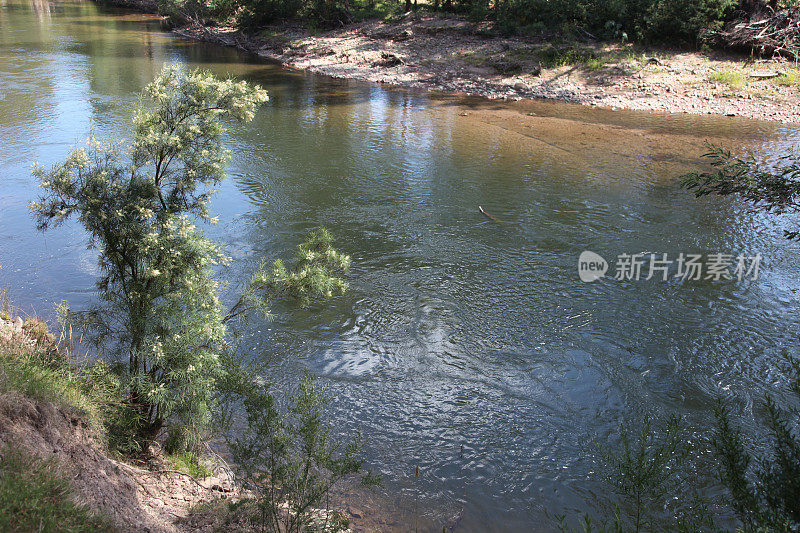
(458, 331)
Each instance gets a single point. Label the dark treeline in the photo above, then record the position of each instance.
(678, 22)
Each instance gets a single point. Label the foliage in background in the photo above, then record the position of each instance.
(677, 22)
(160, 306)
(290, 462)
(35, 496)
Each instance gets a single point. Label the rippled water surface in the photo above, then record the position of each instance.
(458, 331)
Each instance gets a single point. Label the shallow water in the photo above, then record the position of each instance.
(458, 331)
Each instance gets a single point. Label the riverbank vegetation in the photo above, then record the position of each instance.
(170, 375)
(435, 49)
(652, 472)
(34, 493)
(35, 496)
(732, 23)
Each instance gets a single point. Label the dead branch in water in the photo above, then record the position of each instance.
(489, 215)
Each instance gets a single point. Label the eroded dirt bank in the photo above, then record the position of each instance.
(153, 498)
(144, 493)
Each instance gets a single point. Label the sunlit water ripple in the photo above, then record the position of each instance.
(465, 347)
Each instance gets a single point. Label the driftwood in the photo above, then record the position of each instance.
(767, 75)
(769, 32)
(488, 215)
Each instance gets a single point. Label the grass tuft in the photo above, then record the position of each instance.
(90, 391)
(790, 79)
(734, 79)
(189, 463)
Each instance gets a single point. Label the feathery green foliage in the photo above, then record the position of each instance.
(160, 306)
(314, 273)
(290, 462)
(650, 490)
(642, 472)
(774, 188)
(765, 493)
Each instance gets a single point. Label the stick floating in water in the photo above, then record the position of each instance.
(489, 215)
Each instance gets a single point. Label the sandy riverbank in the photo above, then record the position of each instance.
(453, 55)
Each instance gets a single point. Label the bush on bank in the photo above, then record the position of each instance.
(158, 314)
(667, 22)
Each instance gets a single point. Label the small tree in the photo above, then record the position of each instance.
(642, 472)
(765, 493)
(137, 200)
(289, 461)
(646, 472)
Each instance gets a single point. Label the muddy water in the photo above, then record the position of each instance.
(466, 347)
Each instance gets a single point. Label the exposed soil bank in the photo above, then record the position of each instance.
(455, 55)
(156, 498)
(149, 495)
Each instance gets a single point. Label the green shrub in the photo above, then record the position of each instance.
(159, 307)
(202, 10)
(289, 460)
(257, 13)
(670, 21)
(647, 474)
(765, 493)
(317, 13)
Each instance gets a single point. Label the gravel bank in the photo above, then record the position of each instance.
(453, 55)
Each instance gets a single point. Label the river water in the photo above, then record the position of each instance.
(466, 347)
